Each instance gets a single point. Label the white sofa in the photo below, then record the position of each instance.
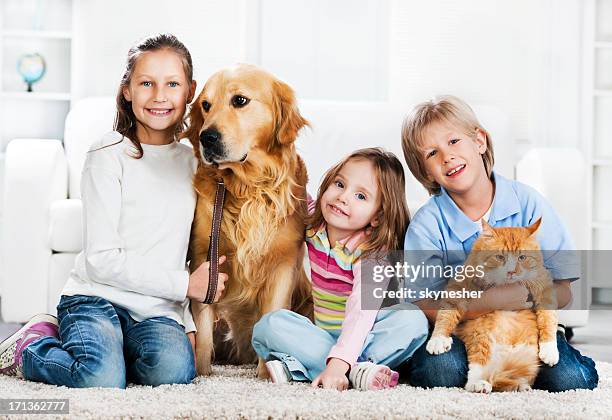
(42, 231)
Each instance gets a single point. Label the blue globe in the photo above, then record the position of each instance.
(32, 68)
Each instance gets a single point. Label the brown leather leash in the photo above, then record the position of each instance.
(213, 248)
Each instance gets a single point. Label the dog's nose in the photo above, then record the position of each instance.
(210, 136)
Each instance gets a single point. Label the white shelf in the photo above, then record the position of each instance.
(602, 162)
(597, 95)
(603, 92)
(601, 225)
(37, 34)
(44, 26)
(38, 96)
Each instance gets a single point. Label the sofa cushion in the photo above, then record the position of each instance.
(339, 128)
(60, 266)
(66, 226)
(88, 120)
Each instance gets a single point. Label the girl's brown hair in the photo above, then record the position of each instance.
(393, 216)
(445, 109)
(125, 120)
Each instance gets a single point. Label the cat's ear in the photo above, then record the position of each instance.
(534, 227)
(487, 230)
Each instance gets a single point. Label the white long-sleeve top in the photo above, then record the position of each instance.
(137, 216)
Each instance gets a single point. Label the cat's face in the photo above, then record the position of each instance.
(507, 267)
(508, 255)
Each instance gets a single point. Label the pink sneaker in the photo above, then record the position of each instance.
(366, 376)
(11, 349)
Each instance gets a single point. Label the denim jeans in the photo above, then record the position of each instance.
(303, 347)
(100, 345)
(449, 369)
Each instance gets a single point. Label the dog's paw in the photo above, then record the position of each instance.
(204, 369)
(524, 387)
(549, 353)
(439, 344)
(262, 372)
(479, 385)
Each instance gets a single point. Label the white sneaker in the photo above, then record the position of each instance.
(367, 376)
(279, 372)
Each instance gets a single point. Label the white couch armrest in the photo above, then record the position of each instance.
(36, 174)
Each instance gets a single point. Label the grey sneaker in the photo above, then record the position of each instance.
(11, 349)
(279, 372)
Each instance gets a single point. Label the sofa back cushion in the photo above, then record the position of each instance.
(337, 128)
(88, 120)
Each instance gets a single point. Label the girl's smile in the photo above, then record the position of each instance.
(159, 112)
(337, 210)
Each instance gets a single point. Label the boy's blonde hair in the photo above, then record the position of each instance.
(445, 109)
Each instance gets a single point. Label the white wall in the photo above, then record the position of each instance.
(104, 30)
(332, 49)
(522, 55)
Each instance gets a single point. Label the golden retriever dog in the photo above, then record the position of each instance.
(243, 127)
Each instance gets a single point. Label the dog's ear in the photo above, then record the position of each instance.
(288, 120)
(195, 120)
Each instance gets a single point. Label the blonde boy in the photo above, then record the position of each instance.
(451, 154)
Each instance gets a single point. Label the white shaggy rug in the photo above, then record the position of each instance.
(234, 392)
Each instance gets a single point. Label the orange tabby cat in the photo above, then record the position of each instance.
(503, 347)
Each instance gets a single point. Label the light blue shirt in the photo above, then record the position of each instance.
(446, 235)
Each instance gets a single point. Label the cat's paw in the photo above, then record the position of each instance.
(549, 353)
(479, 385)
(524, 387)
(439, 344)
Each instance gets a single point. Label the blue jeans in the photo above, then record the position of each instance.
(294, 339)
(574, 371)
(100, 345)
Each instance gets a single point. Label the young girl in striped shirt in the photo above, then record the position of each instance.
(360, 210)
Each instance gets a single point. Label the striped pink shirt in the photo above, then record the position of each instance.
(336, 288)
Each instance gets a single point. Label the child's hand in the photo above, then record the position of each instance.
(510, 297)
(334, 376)
(198, 282)
(191, 337)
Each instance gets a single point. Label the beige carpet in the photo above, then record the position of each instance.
(233, 392)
